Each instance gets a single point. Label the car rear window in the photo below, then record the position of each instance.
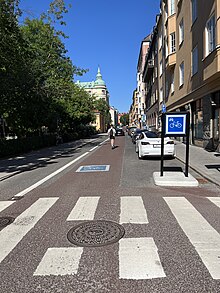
(151, 134)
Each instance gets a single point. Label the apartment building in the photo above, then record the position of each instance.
(133, 112)
(182, 69)
(141, 87)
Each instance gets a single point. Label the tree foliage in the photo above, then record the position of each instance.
(36, 76)
(124, 119)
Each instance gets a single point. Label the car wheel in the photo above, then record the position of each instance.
(136, 148)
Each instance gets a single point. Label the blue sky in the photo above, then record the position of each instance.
(107, 33)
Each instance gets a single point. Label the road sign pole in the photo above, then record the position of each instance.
(187, 144)
(162, 143)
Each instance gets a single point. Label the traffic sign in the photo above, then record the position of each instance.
(175, 124)
(164, 109)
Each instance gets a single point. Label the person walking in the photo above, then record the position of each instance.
(111, 134)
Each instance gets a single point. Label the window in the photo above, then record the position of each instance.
(155, 69)
(181, 31)
(194, 10)
(194, 60)
(172, 43)
(181, 74)
(161, 95)
(160, 41)
(161, 68)
(167, 88)
(210, 35)
(171, 7)
(172, 84)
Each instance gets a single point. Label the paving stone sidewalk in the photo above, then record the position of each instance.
(203, 162)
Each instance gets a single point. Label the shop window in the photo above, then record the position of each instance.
(198, 120)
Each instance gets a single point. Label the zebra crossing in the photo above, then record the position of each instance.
(138, 258)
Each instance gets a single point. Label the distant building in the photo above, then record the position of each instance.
(99, 89)
(114, 115)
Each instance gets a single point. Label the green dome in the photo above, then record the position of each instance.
(99, 80)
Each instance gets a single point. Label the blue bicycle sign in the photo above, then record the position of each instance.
(175, 124)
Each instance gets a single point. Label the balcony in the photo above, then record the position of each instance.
(211, 63)
(171, 60)
(148, 69)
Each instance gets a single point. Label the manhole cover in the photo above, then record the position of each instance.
(4, 221)
(96, 233)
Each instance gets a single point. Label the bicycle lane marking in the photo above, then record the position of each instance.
(25, 191)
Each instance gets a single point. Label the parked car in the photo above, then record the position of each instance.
(149, 144)
(136, 133)
(131, 130)
(119, 131)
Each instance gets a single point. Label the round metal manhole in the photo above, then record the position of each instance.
(4, 221)
(96, 233)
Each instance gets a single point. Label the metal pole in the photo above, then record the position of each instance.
(162, 143)
(187, 144)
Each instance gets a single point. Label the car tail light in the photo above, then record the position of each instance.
(144, 143)
(170, 142)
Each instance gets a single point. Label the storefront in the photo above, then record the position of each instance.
(205, 123)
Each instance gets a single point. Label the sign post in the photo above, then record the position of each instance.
(175, 124)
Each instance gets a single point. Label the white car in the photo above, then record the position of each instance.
(149, 144)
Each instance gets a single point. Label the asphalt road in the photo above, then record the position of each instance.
(171, 242)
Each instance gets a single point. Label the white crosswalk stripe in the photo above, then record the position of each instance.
(133, 210)
(59, 261)
(201, 234)
(84, 209)
(5, 204)
(11, 235)
(215, 200)
(138, 259)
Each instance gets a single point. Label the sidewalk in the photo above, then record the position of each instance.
(203, 162)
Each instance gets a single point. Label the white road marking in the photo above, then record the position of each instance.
(215, 200)
(138, 259)
(133, 210)
(59, 261)
(94, 148)
(11, 235)
(84, 209)
(25, 191)
(5, 204)
(201, 234)
(104, 141)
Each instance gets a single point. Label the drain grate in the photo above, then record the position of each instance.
(96, 233)
(4, 221)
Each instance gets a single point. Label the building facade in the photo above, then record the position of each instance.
(99, 90)
(140, 91)
(182, 69)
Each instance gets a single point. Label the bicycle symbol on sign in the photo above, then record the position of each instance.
(173, 123)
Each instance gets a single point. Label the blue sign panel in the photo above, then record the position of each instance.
(93, 168)
(164, 109)
(175, 124)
